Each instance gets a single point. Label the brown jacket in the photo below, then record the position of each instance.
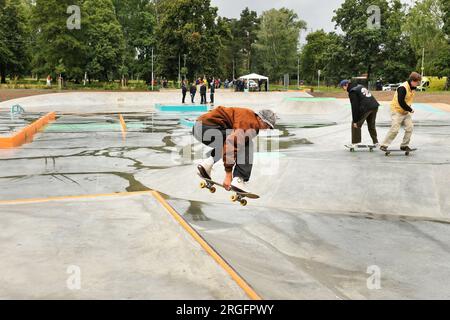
(243, 125)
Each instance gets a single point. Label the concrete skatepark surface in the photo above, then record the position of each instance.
(326, 217)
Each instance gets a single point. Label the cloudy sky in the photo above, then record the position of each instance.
(317, 13)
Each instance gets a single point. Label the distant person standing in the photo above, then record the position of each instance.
(184, 91)
(401, 110)
(212, 92)
(203, 91)
(193, 91)
(49, 81)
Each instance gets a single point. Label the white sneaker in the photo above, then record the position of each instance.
(206, 166)
(240, 184)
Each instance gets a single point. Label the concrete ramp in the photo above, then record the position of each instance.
(363, 188)
(311, 106)
(106, 247)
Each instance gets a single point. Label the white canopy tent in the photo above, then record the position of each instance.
(254, 76)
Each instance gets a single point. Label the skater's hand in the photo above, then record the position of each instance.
(355, 125)
(228, 180)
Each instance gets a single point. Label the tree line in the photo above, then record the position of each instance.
(107, 40)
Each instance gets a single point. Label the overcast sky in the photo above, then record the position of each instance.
(317, 13)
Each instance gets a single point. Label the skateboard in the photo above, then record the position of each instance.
(238, 196)
(407, 153)
(361, 146)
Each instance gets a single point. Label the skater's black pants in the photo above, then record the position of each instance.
(371, 118)
(215, 137)
(184, 97)
(211, 97)
(192, 97)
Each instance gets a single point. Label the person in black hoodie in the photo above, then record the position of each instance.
(184, 91)
(203, 90)
(364, 108)
(193, 91)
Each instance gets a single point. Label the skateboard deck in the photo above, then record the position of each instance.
(361, 146)
(407, 153)
(238, 196)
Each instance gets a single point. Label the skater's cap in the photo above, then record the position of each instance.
(344, 83)
(268, 116)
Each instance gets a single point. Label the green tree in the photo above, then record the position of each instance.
(187, 27)
(245, 33)
(57, 49)
(397, 54)
(105, 40)
(363, 41)
(138, 21)
(445, 56)
(424, 27)
(277, 42)
(237, 38)
(14, 39)
(326, 52)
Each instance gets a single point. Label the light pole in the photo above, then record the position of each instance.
(423, 65)
(179, 70)
(318, 79)
(153, 76)
(185, 55)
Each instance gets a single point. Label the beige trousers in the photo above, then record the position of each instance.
(398, 120)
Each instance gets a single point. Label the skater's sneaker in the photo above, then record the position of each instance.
(240, 184)
(205, 167)
(407, 149)
(384, 148)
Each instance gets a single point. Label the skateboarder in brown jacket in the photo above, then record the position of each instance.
(230, 131)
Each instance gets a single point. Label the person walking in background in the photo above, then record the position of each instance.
(184, 91)
(364, 108)
(401, 110)
(193, 91)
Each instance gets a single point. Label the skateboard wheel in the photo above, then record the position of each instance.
(234, 198)
(244, 203)
(213, 190)
(203, 185)
(352, 150)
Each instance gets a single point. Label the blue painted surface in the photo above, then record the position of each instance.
(182, 108)
(427, 108)
(187, 123)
